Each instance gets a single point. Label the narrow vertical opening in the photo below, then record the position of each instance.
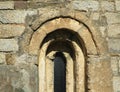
(59, 72)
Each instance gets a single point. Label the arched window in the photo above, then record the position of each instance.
(59, 72)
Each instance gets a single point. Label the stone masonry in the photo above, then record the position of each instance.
(19, 68)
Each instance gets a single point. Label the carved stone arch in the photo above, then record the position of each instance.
(77, 17)
(91, 40)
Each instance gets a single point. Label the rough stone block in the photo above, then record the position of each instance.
(2, 58)
(16, 79)
(115, 65)
(6, 4)
(112, 17)
(117, 4)
(116, 83)
(86, 5)
(114, 30)
(114, 46)
(20, 4)
(8, 45)
(15, 16)
(107, 6)
(13, 30)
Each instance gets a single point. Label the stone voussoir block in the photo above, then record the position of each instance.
(7, 45)
(86, 5)
(11, 30)
(6, 5)
(15, 16)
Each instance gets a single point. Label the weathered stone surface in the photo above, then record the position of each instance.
(2, 58)
(15, 16)
(8, 45)
(117, 3)
(11, 30)
(10, 59)
(6, 4)
(95, 16)
(107, 6)
(115, 65)
(99, 74)
(114, 30)
(113, 17)
(86, 5)
(17, 79)
(20, 4)
(116, 83)
(114, 45)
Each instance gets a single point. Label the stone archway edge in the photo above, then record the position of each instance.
(95, 44)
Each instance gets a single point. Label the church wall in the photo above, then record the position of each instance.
(18, 67)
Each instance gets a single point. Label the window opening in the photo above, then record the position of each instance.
(59, 72)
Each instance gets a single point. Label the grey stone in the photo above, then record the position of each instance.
(2, 58)
(15, 16)
(117, 4)
(114, 30)
(86, 5)
(112, 17)
(114, 46)
(11, 30)
(6, 4)
(107, 6)
(9, 45)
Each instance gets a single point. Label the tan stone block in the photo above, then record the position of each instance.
(6, 4)
(117, 4)
(85, 5)
(10, 59)
(115, 65)
(2, 58)
(13, 30)
(112, 17)
(95, 16)
(9, 45)
(107, 6)
(116, 83)
(15, 16)
(114, 30)
(114, 46)
(99, 74)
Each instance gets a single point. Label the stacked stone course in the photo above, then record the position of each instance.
(18, 68)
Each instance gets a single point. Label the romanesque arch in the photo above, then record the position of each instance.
(82, 45)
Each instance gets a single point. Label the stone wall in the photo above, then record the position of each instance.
(18, 68)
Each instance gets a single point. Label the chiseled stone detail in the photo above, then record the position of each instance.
(86, 5)
(11, 30)
(8, 45)
(15, 16)
(2, 58)
(7, 4)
